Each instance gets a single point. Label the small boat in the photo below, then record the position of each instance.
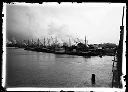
(60, 51)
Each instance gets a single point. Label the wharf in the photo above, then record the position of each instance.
(79, 53)
(115, 73)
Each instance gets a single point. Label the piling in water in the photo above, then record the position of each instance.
(93, 79)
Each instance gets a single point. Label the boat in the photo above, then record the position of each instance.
(60, 51)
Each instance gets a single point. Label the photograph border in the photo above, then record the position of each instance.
(53, 89)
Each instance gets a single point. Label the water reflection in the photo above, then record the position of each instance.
(28, 68)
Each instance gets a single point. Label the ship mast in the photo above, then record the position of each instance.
(69, 42)
(38, 42)
(85, 41)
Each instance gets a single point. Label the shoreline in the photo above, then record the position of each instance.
(85, 54)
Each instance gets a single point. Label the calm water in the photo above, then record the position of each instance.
(37, 69)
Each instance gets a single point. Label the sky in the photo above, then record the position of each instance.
(99, 22)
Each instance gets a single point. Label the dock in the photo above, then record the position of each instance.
(117, 62)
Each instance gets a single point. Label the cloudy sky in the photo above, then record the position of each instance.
(99, 22)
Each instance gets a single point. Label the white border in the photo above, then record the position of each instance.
(4, 46)
(65, 89)
(59, 89)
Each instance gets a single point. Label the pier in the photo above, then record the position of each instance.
(117, 62)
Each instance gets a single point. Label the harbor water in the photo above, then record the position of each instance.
(39, 69)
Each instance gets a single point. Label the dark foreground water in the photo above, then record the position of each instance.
(37, 69)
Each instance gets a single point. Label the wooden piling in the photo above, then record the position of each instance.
(93, 79)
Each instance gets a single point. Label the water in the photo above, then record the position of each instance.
(38, 69)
